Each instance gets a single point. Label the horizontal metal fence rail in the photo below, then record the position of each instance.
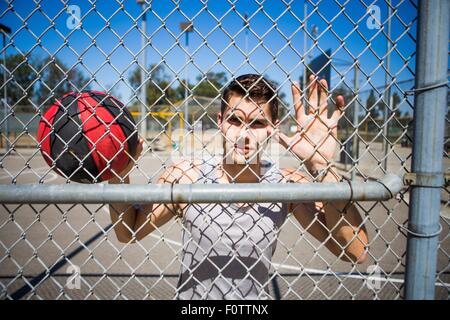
(383, 189)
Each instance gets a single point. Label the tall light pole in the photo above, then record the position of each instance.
(305, 11)
(387, 92)
(356, 116)
(5, 30)
(314, 32)
(246, 25)
(143, 93)
(186, 27)
(355, 140)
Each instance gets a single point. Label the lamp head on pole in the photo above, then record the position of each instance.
(246, 24)
(186, 26)
(314, 30)
(5, 29)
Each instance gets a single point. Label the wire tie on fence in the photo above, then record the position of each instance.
(426, 88)
(425, 179)
(178, 212)
(422, 235)
(351, 194)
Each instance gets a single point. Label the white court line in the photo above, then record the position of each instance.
(26, 172)
(54, 176)
(353, 276)
(166, 240)
(311, 270)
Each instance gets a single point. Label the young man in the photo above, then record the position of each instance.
(227, 248)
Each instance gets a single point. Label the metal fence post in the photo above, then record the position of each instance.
(387, 93)
(429, 119)
(355, 118)
(143, 108)
(4, 30)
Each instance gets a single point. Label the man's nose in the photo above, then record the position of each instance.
(244, 134)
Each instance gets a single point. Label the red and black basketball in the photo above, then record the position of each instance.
(87, 135)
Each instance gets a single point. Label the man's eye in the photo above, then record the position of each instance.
(258, 124)
(234, 120)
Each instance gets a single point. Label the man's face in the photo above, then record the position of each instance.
(244, 126)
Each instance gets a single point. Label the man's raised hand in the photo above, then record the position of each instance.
(315, 141)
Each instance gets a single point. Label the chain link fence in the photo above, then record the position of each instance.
(168, 63)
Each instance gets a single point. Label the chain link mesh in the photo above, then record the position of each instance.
(58, 47)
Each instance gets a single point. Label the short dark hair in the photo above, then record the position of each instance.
(252, 87)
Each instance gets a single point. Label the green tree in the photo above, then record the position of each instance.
(346, 92)
(211, 85)
(395, 102)
(158, 89)
(374, 109)
(56, 79)
(20, 79)
(180, 89)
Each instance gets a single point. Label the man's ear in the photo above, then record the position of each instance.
(219, 118)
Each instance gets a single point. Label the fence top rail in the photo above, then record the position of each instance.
(383, 189)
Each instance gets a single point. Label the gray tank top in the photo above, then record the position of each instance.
(228, 248)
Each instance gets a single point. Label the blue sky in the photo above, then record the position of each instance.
(276, 49)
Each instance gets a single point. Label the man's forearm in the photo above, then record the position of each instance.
(123, 215)
(334, 209)
(344, 222)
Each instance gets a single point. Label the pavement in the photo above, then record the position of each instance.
(40, 244)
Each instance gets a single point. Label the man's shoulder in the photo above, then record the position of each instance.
(294, 175)
(183, 171)
(187, 164)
